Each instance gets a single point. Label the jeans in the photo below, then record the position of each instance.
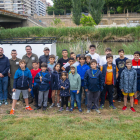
(64, 100)
(3, 88)
(73, 96)
(85, 95)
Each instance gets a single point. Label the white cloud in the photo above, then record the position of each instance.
(50, 2)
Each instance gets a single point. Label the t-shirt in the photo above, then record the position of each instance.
(34, 73)
(62, 62)
(109, 75)
(103, 61)
(67, 64)
(93, 72)
(120, 63)
(51, 66)
(96, 57)
(68, 70)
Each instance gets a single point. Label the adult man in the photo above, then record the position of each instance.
(29, 57)
(44, 58)
(4, 67)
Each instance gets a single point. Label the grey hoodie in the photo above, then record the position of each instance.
(75, 80)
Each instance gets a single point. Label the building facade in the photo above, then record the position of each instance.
(40, 8)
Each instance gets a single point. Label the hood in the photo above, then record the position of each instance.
(25, 68)
(75, 69)
(2, 56)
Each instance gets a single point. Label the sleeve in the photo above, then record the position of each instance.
(121, 80)
(66, 65)
(100, 62)
(85, 80)
(117, 69)
(135, 82)
(46, 78)
(59, 84)
(37, 79)
(99, 59)
(52, 80)
(7, 67)
(36, 58)
(40, 61)
(30, 79)
(67, 85)
(101, 82)
(15, 79)
(101, 68)
(79, 83)
(114, 61)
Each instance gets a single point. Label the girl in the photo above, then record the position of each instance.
(64, 86)
(55, 77)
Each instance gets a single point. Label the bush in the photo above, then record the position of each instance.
(119, 9)
(138, 11)
(56, 21)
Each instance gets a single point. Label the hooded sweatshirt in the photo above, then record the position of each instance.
(75, 80)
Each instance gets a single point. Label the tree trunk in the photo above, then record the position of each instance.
(124, 10)
(65, 11)
(107, 9)
(131, 9)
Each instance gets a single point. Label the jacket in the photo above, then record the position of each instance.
(75, 80)
(44, 58)
(66, 84)
(44, 85)
(128, 80)
(94, 82)
(81, 70)
(136, 66)
(4, 65)
(55, 77)
(22, 79)
(105, 70)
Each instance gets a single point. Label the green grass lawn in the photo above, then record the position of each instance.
(70, 127)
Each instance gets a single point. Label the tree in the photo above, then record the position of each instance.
(62, 4)
(95, 9)
(76, 11)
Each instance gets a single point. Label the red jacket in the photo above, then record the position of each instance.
(34, 73)
(136, 66)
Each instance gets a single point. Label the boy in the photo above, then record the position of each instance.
(128, 83)
(110, 74)
(136, 66)
(34, 72)
(120, 63)
(52, 63)
(93, 85)
(92, 49)
(22, 83)
(43, 79)
(62, 61)
(81, 69)
(77, 57)
(75, 85)
(88, 59)
(71, 62)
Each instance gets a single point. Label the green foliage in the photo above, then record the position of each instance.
(87, 21)
(56, 21)
(119, 9)
(76, 11)
(56, 11)
(138, 11)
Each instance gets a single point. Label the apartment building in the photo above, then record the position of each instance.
(40, 8)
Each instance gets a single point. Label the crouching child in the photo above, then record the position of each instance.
(93, 82)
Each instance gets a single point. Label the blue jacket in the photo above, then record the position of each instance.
(4, 65)
(81, 70)
(66, 84)
(92, 82)
(128, 81)
(44, 85)
(55, 77)
(22, 79)
(105, 70)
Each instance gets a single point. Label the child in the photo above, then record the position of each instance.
(42, 79)
(81, 69)
(75, 85)
(88, 59)
(34, 72)
(64, 86)
(22, 83)
(128, 83)
(52, 63)
(120, 63)
(77, 57)
(110, 74)
(71, 61)
(136, 66)
(55, 77)
(93, 85)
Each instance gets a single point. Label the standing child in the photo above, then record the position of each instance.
(71, 62)
(43, 79)
(55, 77)
(52, 63)
(136, 66)
(93, 85)
(128, 83)
(22, 83)
(34, 72)
(88, 59)
(110, 74)
(81, 69)
(64, 86)
(75, 85)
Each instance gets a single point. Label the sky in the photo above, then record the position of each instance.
(50, 2)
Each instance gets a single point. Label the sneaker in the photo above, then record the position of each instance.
(44, 108)
(124, 108)
(80, 109)
(112, 106)
(53, 105)
(5, 102)
(69, 104)
(113, 101)
(67, 109)
(61, 109)
(71, 109)
(75, 104)
(37, 108)
(98, 111)
(119, 99)
(29, 108)
(58, 105)
(132, 109)
(12, 112)
(93, 107)
(101, 106)
(136, 101)
(1, 102)
(88, 111)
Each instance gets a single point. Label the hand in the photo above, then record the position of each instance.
(77, 91)
(1, 75)
(40, 79)
(29, 89)
(122, 90)
(86, 90)
(9, 74)
(14, 90)
(63, 88)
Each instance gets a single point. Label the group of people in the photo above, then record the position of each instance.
(69, 79)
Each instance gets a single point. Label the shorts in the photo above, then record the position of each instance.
(138, 84)
(16, 94)
(126, 94)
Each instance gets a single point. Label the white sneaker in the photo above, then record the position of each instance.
(58, 105)
(98, 111)
(53, 105)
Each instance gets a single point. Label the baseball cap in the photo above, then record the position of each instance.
(46, 48)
